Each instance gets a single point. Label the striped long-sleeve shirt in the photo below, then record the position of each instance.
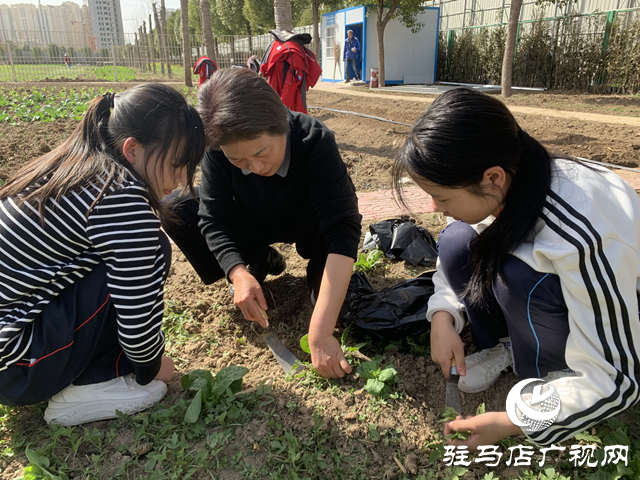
(589, 235)
(38, 262)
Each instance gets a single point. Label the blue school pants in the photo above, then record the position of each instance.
(75, 340)
(527, 306)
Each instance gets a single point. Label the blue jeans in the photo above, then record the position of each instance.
(354, 62)
(526, 305)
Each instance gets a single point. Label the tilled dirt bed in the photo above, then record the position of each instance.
(219, 336)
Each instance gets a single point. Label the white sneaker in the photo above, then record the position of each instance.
(484, 368)
(99, 401)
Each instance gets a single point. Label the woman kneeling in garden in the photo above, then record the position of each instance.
(271, 176)
(541, 252)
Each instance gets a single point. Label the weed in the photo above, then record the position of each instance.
(379, 379)
(449, 415)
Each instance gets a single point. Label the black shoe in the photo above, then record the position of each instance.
(347, 81)
(273, 265)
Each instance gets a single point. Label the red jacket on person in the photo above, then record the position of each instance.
(291, 69)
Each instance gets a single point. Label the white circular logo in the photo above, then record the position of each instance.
(538, 411)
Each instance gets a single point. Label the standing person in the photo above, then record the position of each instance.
(67, 60)
(541, 253)
(83, 261)
(271, 176)
(351, 54)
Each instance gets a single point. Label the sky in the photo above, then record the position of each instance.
(133, 11)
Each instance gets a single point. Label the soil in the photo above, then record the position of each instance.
(220, 336)
(625, 105)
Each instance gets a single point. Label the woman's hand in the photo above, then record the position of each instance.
(486, 429)
(248, 295)
(166, 370)
(446, 343)
(327, 357)
(326, 352)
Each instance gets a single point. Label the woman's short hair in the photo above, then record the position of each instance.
(237, 104)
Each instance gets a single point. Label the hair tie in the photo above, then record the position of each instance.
(111, 98)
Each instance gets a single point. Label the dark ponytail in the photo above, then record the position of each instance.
(154, 114)
(462, 134)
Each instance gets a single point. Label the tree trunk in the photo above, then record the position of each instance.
(316, 32)
(510, 47)
(249, 35)
(152, 43)
(163, 21)
(380, 28)
(146, 46)
(186, 45)
(138, 59)
(159, 37)
(205, 10)
(381, 24)
(232, 44)
(282, 13)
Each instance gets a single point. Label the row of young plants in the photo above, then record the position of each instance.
(198, 433)
(596, 53)
(47, 104)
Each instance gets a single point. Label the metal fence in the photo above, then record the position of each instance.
(136, 57)
(598, 52)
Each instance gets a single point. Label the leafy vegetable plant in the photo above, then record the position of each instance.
(211, 390)
(39, 468)
(378, 379)
(367, 263)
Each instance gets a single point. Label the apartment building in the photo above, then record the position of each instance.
(106, 22)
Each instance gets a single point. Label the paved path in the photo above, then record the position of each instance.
(589, 117)
(380, 204)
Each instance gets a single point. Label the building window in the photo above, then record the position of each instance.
(330, 36)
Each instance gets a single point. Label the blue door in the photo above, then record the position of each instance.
(357, 32)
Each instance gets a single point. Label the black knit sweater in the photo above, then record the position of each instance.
(317, 183)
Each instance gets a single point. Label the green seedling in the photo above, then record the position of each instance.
(367, 263)
(378, 379)
(450, 415)
(211, 390)
(353, 351)
(38, 468)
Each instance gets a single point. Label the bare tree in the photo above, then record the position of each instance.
(315, 5)
(186, 45)
(282, 13)
(152, 46)
(159, 37)
(163, 21)
(205, 9)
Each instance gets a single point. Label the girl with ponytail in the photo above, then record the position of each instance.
(540, 255)
(83, 259)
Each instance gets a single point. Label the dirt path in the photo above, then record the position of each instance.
(369, 146)
(513, 105)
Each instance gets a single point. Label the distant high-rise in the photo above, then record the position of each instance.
(41, 25)
(106, 22)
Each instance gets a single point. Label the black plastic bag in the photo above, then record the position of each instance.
(400, 238)
(392, 313)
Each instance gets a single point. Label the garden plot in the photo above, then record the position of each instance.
(300, 426)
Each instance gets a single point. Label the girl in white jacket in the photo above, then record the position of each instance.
(540, 253)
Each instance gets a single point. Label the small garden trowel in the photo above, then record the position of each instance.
(285, 358)
(453, 394)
